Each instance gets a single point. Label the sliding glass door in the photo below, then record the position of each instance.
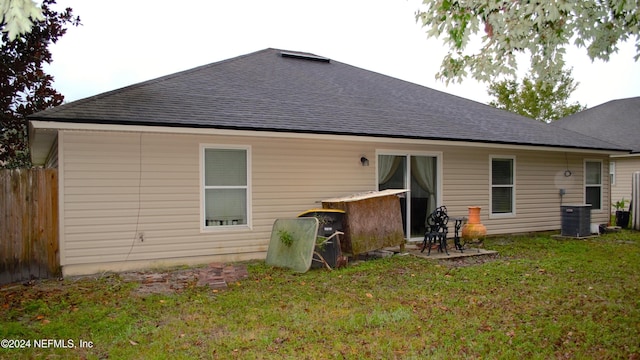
(418, 174)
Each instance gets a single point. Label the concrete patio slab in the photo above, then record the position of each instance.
(435, 255)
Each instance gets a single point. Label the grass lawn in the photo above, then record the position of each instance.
(541, 298)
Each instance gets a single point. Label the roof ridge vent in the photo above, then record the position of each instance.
(304, 56)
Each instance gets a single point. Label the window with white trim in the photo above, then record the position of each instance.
(502, 185)
(612, 172)
(225, 186)
(593, 184)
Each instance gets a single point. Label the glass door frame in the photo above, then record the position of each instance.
(407, 181)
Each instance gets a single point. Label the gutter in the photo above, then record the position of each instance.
(36, 125)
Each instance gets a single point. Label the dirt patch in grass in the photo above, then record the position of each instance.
(469, 260)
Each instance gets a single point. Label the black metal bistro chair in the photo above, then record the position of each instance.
(436, 230)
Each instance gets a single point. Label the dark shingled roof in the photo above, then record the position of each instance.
(271, 91)
(616, 121)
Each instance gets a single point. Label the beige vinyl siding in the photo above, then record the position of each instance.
(118, 185)
(539, 177)
(625, 167)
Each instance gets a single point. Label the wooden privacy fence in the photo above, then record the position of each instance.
(28, 224)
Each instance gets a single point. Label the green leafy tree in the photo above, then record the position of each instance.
(24, 87)
(541, 29)
(536, 99)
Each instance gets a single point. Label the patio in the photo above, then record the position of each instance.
(414, 249)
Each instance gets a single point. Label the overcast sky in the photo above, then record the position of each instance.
(123, 42)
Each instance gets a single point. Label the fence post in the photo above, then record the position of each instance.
(635, 200)
(6, 248)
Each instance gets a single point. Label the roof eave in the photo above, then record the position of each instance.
(37, 124)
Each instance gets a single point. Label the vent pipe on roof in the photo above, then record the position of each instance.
(304, 56)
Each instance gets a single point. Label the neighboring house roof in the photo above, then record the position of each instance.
(276, 90)
(616, 121)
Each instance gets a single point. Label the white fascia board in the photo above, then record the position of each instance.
(633, 155)
(39, 124)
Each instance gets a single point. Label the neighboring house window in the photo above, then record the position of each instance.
(612, 172)
(502, 185)
(593, 184)
(225, 182)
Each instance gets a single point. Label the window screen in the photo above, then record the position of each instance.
(593, 184)
(502, 186)
(225, 187)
